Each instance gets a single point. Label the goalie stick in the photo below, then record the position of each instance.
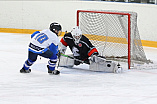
(102, 65)
(78, 59)
(58, 62)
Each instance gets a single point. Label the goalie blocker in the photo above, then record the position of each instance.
(97, 63)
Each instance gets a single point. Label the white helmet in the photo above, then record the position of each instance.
(76, 34)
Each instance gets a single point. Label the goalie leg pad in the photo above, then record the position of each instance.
(66, 62)
(105, 66)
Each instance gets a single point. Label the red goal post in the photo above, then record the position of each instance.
(87, 19)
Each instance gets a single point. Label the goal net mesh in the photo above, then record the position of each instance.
(109, 34)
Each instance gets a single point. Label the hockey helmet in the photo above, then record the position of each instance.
(76, 34)
(55, 26)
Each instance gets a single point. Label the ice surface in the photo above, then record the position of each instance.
(72, 86)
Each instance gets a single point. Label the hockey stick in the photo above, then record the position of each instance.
(67, 57)
(58, 62)
(72, 58)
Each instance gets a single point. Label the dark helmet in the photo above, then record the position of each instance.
(55, 26)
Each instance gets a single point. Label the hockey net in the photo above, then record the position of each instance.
(114, 34)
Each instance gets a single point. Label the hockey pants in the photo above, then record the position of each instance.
(32, 57)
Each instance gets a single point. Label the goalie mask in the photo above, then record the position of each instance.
(76, 34)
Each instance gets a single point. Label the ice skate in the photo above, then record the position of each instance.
(118, 69)
(25, 71)
(54, 72)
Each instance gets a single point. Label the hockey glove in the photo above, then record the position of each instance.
(93, 58)
(96, 59)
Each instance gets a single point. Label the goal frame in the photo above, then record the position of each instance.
(129, 28)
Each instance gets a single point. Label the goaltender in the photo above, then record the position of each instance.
(79, 45)
(84, 52)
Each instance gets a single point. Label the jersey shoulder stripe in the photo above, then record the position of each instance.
(63, 42)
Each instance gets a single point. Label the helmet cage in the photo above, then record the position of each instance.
(76, 34)
(77, 37)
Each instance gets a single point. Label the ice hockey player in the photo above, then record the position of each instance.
(83, 51)
(79, 45)
(44, 43)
